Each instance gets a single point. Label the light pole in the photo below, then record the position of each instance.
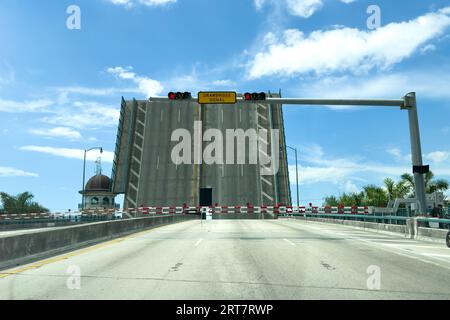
(84, 172)
(296, 172)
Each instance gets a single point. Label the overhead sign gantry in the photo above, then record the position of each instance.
(408, 102)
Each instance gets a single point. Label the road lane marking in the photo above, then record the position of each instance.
(198, 242)
(290, 242)
(384, 247)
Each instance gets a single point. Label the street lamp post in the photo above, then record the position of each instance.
(296, 172)
(84, 172)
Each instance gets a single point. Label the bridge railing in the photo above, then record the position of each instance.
(358, 213)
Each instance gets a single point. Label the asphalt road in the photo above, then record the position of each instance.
(241, 259)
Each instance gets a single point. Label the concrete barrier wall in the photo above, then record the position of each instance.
(431, 234)
(409, 230)
(37, 225)
(18, 249)
(402, 229)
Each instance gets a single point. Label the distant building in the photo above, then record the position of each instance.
(97, 193)
(435, 199)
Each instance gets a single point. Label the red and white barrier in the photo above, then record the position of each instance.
(222, 210)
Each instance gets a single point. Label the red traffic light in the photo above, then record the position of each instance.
(254, 96)
(179, 95)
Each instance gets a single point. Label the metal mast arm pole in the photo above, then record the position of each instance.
(416, 150)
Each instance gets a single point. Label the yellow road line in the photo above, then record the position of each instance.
(44, 262)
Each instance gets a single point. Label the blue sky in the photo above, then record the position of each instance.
(60, 89)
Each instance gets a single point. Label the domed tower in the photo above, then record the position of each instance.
(97, 193)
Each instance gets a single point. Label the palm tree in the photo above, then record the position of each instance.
(400, 189)
(375, 196)
(22, 203)
(438, 185)
(430, 185)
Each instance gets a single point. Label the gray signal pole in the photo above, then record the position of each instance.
(416, 150)
(296, 172)
(408, 102)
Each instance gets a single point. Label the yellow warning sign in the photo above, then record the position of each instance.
(217, 97)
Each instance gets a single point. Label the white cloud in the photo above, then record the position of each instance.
(346, 49)
(438, 159)
(11, 106)
(429, 84)
(396, 152)
(13, 172)
(304, 8)
(350, 187)
(146, 86)
(299, 8)
(427, 48)
(345, 173)
(85, 114)
(148, 3)
(437, 156)
(95, 91)
(316, 167)
(63, 132)
(224, 83)
(259, 4)
(107, 156)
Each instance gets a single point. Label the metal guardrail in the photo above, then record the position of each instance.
(348, 213)
(388, 219)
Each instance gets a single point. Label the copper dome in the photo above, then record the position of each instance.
(99, 182)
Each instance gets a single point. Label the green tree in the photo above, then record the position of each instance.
(378, 197)
(331, 201)
(375, 196)
(21, 203)
(395, 190)
(431, 185)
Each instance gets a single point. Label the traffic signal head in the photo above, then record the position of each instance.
(187, 95)
(254, 96)
(179, 95)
